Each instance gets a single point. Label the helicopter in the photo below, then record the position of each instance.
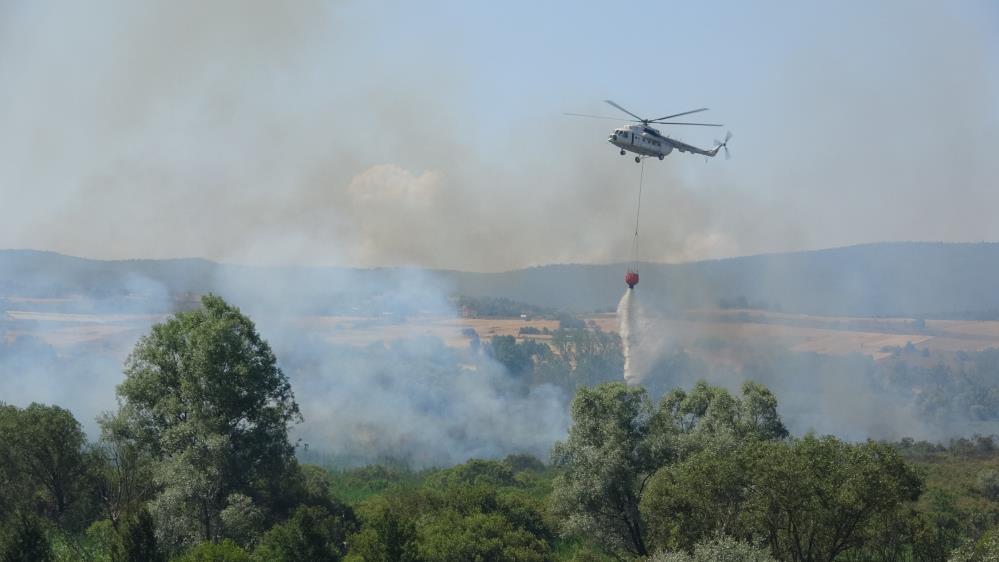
(646, 141)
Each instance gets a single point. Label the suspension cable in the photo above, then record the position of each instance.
(638, 214)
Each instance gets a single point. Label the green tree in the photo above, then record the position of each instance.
(242, 520)
(592, 356)
(517, 357)
(618, 442)
(312, 533)
(816, 498)
(23, 539)
(938, 528)
(224, 551)
(138, 539)
(388, 533)
(695, 499)
(204, 398)
(480, 510)
(721, 548)
(451, 536)
(711, 411)
(12, 484)
(48, 461)
(125, 476)
(604, 466)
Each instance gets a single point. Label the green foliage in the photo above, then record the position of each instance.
(618, 442)
(124, 475)
(697, 497)
(518, 357)
(23, 539)
(604, 466)
(224, 551)
(12, 483)
(576, 356)
(452, 536)
(389, 528)
(312, 533)
(710, 411)
(985, 549)
(817, 497)
(481, 510)
(99, 543)
(721, 548)
(242, 520)
(204, 398)
(480, 472)
(138, 539)
(937, 529)
(46, 464)
(357, 484)
(988, 483)
(586, 356)
(960, 389)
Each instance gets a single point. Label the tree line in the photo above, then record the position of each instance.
(197, 464)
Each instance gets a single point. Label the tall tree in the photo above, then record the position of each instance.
(605, 464)
(203, 396)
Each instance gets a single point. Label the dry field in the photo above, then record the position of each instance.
(826, 335)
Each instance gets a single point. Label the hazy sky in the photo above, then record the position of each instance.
(430, 133)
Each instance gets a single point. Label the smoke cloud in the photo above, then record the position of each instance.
(408, 397)
(326, 133)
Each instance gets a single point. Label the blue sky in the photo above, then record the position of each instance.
(430, 133)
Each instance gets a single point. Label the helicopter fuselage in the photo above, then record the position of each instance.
(642, 140)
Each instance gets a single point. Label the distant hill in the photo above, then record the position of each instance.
(885, 279)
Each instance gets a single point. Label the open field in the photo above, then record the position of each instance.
(825, 335)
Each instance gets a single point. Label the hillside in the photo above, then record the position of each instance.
(886, 279)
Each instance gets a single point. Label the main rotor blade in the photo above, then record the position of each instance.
(678, 123)
(600, 117)
(624, 110)
(679, 114)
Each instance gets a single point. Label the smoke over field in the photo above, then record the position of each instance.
(403, 395)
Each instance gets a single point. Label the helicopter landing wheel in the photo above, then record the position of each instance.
(638, 159)
(661, 156)
(622, 152)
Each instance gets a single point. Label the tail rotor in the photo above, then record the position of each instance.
(724, 144)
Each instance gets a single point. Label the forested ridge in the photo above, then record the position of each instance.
(198, 464)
